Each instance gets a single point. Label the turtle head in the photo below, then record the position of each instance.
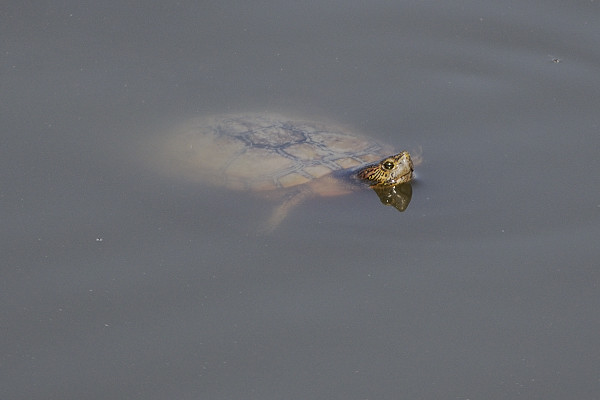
(389, 171)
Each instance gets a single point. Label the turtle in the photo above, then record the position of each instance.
(296, 158)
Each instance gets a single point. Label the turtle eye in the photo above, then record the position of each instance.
(388, 165)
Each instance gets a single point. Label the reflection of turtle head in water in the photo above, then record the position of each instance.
(397, 196)
(297, 159)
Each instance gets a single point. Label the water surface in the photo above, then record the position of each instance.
(119, 282)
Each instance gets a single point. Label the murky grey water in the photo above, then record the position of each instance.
(121, 283)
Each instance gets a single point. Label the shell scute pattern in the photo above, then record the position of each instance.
(268, 152)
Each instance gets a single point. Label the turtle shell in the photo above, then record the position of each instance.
(265, 152)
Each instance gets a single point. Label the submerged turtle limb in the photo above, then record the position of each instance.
(281, 211)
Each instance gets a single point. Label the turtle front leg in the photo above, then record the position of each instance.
(281, 211)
